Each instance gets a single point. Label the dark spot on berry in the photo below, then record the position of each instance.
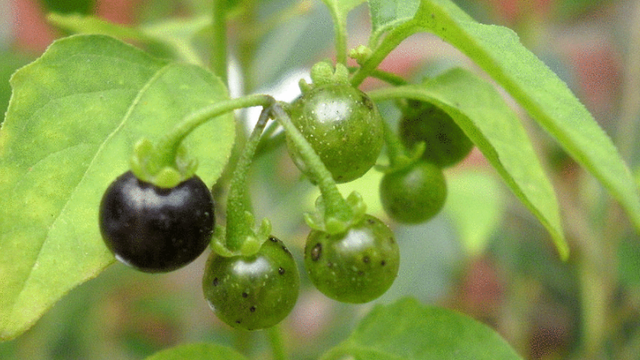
(252, 309)
(371, 221)
(215, 281)
(273, 239)
(238, 321)
(392, 240)
(365, 259)
(286, 250)
(367, 102)
(383, 263)
(245, 295)
(280, 271)
(316, 252)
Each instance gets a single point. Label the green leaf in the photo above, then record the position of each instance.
(387, 14)
(475, 203)
(532, 84)
(480, 111)
(72, 121)
(198, 351)
(170, 38)
(9, 62)
(87, 24)
(407, 330)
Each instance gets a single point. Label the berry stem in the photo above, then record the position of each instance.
(276, 341)
(238, 205)
(395, 149)
(170, 143)
(167, 149)
(335, 205)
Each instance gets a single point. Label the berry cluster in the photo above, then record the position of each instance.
(334, 134)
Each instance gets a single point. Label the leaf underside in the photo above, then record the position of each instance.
(532, 84)
(480, 111)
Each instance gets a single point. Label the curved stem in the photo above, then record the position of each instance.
(335, 205)
(238, 204)
(340, 28)
(168, 145)
(395, 149)
(270, 141)
(276, 341)
(385, 76)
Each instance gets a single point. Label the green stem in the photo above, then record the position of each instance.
(218, 59)
(270, 141)
(276, 341)
(395, 149)
(340, 28)
(391, 41)
(385, 76)
(335, 205)
(238, 201)
(397, 92)
(168, 145)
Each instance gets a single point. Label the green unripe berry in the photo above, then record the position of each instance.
(355, 266)
(413, 194)
(446, 144)
(342, 125)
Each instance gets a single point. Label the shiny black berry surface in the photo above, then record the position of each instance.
(154, 229)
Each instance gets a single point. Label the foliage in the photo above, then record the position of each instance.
(77, 114)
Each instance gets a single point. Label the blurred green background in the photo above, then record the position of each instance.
(485, 255)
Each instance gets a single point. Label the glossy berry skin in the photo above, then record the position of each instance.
(343, 127)
(356, 266)
(413, 194)
(254, 292)
(154, 229)
(446, 143)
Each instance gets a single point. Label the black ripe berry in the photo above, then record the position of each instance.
(155, 229)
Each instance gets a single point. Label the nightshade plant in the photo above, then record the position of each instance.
(93, 107)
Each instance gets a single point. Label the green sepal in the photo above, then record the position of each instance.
(404, 160)
(218, 242)
(148, 165)
(334, 223)
(323, 73)
(251, 244)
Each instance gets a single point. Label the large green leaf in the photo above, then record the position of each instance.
(198, 351)
(407, 330)
(535, 87)
(475, 203)
(73, 118)
(478, 108)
